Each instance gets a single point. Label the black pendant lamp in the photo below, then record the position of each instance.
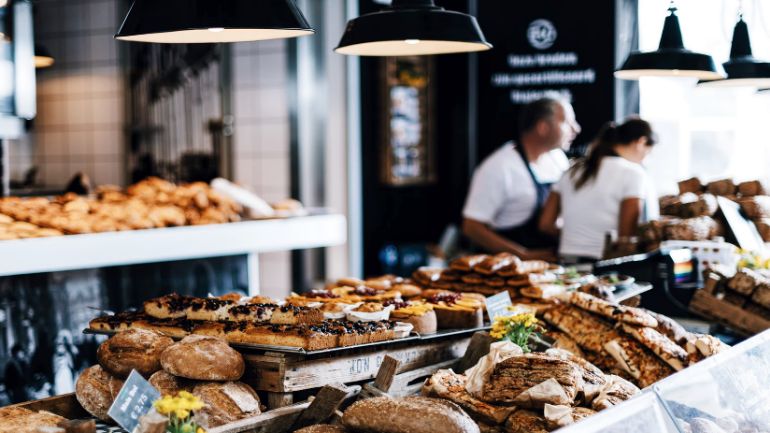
(412, 28)
(43, 58)
(211, 21)
(671, 58)
(742, 68)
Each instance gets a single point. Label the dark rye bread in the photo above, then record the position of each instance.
(202, 357)
(518, 374)
(225, 403)
(134, 349)
(407, 415)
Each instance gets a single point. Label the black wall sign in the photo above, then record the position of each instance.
(541, 47)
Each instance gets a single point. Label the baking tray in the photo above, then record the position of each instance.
(413, 337)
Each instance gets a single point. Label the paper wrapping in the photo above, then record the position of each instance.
(546, 392)
(479, 374)
(557, 416)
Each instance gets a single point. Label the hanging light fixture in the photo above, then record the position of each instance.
(211, 21)
(410, 28)
(43, 58)
(742, 68)
(671, 59)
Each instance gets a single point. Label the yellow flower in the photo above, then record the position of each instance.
(182, 414)
(200, 430)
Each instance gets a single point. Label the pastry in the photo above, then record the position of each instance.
(225, 403)
(588, 330)
(642, 365)
(454, 311)
(492, 264)
(621, 313)
(407, 415)
(293, 315)
(322, 428)
(96, 389)
(745, 281)
(693, 185)
(615, 391)
(171, 306)
(660, 345)
(751, 188)
(134, 349)
(203, 358)
(721, 187)
(418, 314)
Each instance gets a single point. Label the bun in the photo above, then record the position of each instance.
(225, 403)
(408, 415)
(20, 420)
(96, 389)
(168, 384)
(137, 349)
(203, 357)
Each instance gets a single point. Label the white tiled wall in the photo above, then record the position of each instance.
(79, 126)
(261, 138)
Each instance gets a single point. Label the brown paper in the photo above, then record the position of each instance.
(479, 374)
(557, 416)
(546, 392)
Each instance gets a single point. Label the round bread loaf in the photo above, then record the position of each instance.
(323, 428)
(96, 389)
(134, 349)
(202, 357)
(168, 384)
(408, 415)
(225, 403)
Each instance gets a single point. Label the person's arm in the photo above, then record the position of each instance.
(485, 237)
(628, 220)
(550, 215)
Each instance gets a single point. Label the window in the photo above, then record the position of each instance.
(709, 133)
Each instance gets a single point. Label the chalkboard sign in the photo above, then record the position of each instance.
(133, 401)
(541, 48)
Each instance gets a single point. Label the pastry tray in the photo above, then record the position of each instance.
(412, 338)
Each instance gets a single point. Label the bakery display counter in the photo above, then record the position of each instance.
(25, 256)
(728, 392)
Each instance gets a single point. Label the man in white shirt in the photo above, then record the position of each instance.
(510, 186)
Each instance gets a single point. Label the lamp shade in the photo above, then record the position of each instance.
(412, 27)
(743, 70)
(211, 21)
(671, 59)
(43, 58)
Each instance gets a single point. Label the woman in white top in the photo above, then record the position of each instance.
(609, 190)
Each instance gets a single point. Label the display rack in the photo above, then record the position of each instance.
(71, 252)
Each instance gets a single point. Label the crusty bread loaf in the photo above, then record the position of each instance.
(225, 403)
(203, 358)
(322, 428)
(20, 420)
(168, 384)
(96, 389)
(692, 184)
(408, 415)
(134, 349)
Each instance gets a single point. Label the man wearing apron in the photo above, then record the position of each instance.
(510, 186)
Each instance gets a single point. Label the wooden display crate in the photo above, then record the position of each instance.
(707, 305)
(283, 374)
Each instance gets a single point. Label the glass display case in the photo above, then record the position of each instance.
(729, 392)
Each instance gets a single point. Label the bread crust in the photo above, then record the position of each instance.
(168, 384)
(96, 389)
(225, 403)
(133, 349)
(202, 357)
(408, 415)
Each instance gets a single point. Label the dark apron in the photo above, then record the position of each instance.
(528, 234)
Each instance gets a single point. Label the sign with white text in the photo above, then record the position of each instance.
(133, 401)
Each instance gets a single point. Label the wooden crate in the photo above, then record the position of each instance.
(282, 374)
(730, 315)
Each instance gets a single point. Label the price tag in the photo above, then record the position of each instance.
(134, 400)
(498, 304)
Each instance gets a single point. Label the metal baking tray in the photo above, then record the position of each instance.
(413, 337)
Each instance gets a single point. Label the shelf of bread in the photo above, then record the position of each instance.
(153, 221)
(25, 256)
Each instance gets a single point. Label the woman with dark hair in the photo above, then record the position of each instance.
(608, 190)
